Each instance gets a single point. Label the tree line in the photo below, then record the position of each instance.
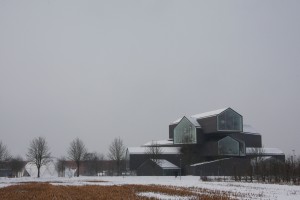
(273, 170)
(39, 154)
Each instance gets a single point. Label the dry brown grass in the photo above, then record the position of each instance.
(47, 191)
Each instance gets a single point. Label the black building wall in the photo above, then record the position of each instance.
(136, 160)
(149, 168)
(251, 140)
(209, 124)
(171, 130)
(222, 167)
(200, 136)
(208, 149)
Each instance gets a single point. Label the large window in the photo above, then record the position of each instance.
(228, 146)
(185, 132)
(229, 121)
(231, 147)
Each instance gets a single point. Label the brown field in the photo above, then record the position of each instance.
(46, 191)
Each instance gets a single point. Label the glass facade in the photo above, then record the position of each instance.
(185, 132)
(228, 146)
(229, 121)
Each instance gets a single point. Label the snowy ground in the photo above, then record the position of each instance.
(236, 189)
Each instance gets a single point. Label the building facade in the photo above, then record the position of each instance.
(211, 143)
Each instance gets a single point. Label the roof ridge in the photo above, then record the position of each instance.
(202, 115)
(209, 113)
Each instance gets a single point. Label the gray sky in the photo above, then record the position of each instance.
(102, 69)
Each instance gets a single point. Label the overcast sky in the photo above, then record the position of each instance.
(103, 69)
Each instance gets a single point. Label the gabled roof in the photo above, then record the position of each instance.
(177, 121)
(194, 118)
(234, 138)
(143, 150)
(209, 114)
(165, 164)
(193, 121)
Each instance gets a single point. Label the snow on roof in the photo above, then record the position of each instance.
(193, 120)
(165, 164)
(203, 163)
(209, 114)
(249, 129)
(164, 150)
(159, 142)
(263, 151)
(177, 121)
(263, 158)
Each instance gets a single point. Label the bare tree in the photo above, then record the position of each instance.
(154, 152)
(77, 152)
(4, 155)
(39, 153)
(117, 153)
(257, 161)
(61, 166)
(298, 170)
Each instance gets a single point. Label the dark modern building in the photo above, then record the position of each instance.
(211, 143)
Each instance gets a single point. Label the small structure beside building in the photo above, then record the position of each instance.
(159, 167)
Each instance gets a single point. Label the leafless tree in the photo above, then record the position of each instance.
(257, 161)
(117, 153)
(4, 155)
(61, 166)
(77, 152)
(39, 153)
(298, 170)
(154, 151)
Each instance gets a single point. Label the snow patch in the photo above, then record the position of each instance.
(165, 164)
(159, 142)
(143, 150)
(263, 151)
(209, 114)
(163, 196)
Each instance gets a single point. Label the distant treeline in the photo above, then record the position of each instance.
(272, 171)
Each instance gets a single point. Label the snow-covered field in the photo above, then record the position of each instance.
(236, 189)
